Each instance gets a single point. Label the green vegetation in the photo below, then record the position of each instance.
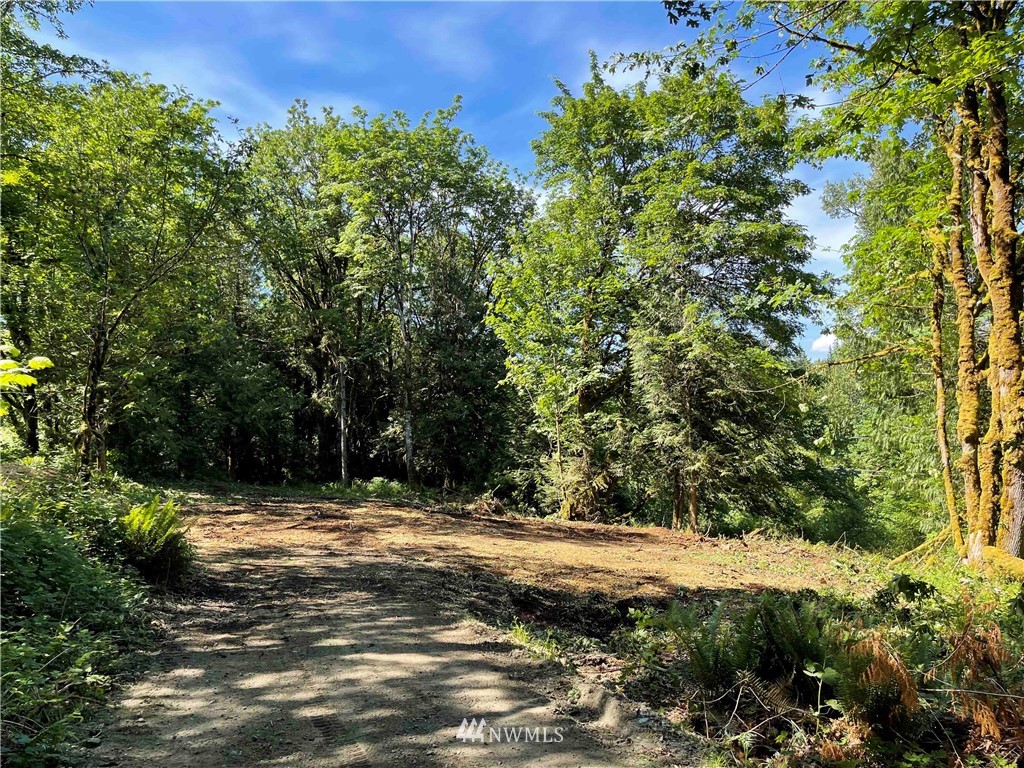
(541, 644)
(74, 601)
(375, 307)
(921, 670)
(155, 543)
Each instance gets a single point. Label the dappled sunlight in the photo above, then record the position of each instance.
(270, 680)
(296, 662)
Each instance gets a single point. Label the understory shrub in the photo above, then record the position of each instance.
(117, 522)
(65, 618)
(902, 677)
(73, 604)
(155, 542)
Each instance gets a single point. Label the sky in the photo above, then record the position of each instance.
(256, 58)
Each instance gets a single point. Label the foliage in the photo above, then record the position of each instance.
(919, 659)
(616, 335)
(540, 644)
(67, 619)
(15, 375)
(95, 517)
(94, 257)
(430, 209)
(954, 96)
(377, 303)
(155, 542)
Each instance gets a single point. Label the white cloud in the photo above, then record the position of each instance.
(307, 34)
(824, 343)
(222, 80)
(215, 75)
(623, 77)
(541, 23)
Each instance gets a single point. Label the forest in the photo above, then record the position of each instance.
(369, 314)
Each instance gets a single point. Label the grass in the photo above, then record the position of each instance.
(540, 643)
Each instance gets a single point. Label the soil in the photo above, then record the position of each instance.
(363, 634)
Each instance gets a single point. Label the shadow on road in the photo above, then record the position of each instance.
(312, 660)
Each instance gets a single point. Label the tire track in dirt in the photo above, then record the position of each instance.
(297, 657)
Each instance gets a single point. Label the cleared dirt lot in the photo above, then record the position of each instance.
(579, 557)
(336, 634)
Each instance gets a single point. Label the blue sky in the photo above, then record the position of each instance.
(256, 58)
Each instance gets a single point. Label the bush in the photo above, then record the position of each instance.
(918, 665)
(108, 522)
(71, 602)
(155, 542)
(45, 574)
(92, 519)
(65, 617)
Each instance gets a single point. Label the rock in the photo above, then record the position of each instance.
(595, 703)
(616, 718)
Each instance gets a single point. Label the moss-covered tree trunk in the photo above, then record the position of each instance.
(939, 376)
(1004, 284)
(981, 526)
(968, 380)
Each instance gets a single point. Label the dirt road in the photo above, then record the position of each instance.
(300, 662)
(320, 637)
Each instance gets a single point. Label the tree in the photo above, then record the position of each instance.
(295, 230)
(724, 425)
(35, 80)
(563, 304)
(429, 208)
(659, 202)
(129, 184)
(888, 380)
(950, 71)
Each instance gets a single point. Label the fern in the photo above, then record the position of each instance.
(794, 640)
(772, 696)
(156, 542)
(717, 650)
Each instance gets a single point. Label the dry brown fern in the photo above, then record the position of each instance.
(886, 669)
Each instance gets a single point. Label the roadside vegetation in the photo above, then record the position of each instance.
(373, 307)
(79, 568)
(918, 673)
(922, 669)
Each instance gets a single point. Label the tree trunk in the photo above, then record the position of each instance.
(343, 420)
(677, 499)
(981, 529)
(558, 461)
(693, 503)
(410, 465)
(968, 381)
(232, 461)
(31, 421)
(1004, 284)
(941, 433)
